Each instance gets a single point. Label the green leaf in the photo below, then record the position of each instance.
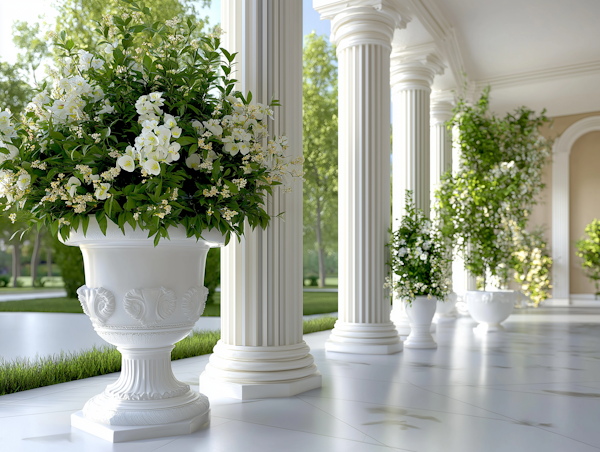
(184, 141)
(85, 222)
(102, 221)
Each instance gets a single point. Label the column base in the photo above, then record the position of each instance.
(364, 338)
(255, 372)
(121, 433)
(245, 391)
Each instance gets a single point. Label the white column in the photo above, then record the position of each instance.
(560, 229)
(363, 38)
(261, 352)
(412, 73)
(440, 112)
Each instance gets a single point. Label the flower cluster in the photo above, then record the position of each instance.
(487, 202)
(142, 132)
(420, 261)
(532, 264)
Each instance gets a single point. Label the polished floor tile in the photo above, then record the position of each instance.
(533, 387)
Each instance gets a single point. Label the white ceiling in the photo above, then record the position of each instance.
(539, 53)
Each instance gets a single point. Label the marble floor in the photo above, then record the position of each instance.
(534, 387)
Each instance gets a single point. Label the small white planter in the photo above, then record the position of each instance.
(490, 308)
(420, 314)
(143, 299)
(446, 310)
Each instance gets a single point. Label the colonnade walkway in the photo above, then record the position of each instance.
(535, 386)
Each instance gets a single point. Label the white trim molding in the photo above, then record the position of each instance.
(543, 75)
(560, 206)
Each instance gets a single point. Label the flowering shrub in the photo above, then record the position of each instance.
(420, 262)
(589, 250)
(147, 131)
(532, 263)
(490, 197)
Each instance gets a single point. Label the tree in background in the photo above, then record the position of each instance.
(70, 261)
(320, 132)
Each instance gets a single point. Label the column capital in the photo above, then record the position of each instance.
(440, 107)
(358, 22)
(415, 67)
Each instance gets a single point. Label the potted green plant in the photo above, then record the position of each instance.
(420, 269)
(144, 156)
(488, 200)
(588, 249)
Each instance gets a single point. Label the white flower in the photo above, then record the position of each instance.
(232, 148)
(126, 162)
(152, 167)
(402, 251)
(423, 257)
(85, 60)
(193, 161)
(176, 132)
(101, 192)
(72, 185)
(170, 121)
(213, 126)
(23, 181)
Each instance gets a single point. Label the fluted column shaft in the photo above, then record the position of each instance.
(261, 352)
(363, 36)
(440, 142)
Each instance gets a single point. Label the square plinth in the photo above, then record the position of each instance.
(120, 433)
(244, 391)
(363, 349)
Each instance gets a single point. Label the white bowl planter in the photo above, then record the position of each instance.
(490, 308)
(446, 310)
(420, 314)
(143, 299)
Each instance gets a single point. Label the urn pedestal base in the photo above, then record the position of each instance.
(420, 314)
(121, 433)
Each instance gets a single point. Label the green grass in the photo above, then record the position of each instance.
(314, 303)
(24, 374)
(320, 302)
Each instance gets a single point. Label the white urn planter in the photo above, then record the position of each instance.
(446, 310)
(400, 319)
(143, 299)
(420, 314)
(490, 308)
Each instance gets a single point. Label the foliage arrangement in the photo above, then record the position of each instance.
(588, 249)
(488, 200)
(532, 264)
(320, 146)
(420, 261)
(23, 374)
(146, 131)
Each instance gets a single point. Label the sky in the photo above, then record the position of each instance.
(30, 10)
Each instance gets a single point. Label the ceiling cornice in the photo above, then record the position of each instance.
(432, 18)
(538, 76)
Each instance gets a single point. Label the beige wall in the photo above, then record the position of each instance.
(584, 180)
